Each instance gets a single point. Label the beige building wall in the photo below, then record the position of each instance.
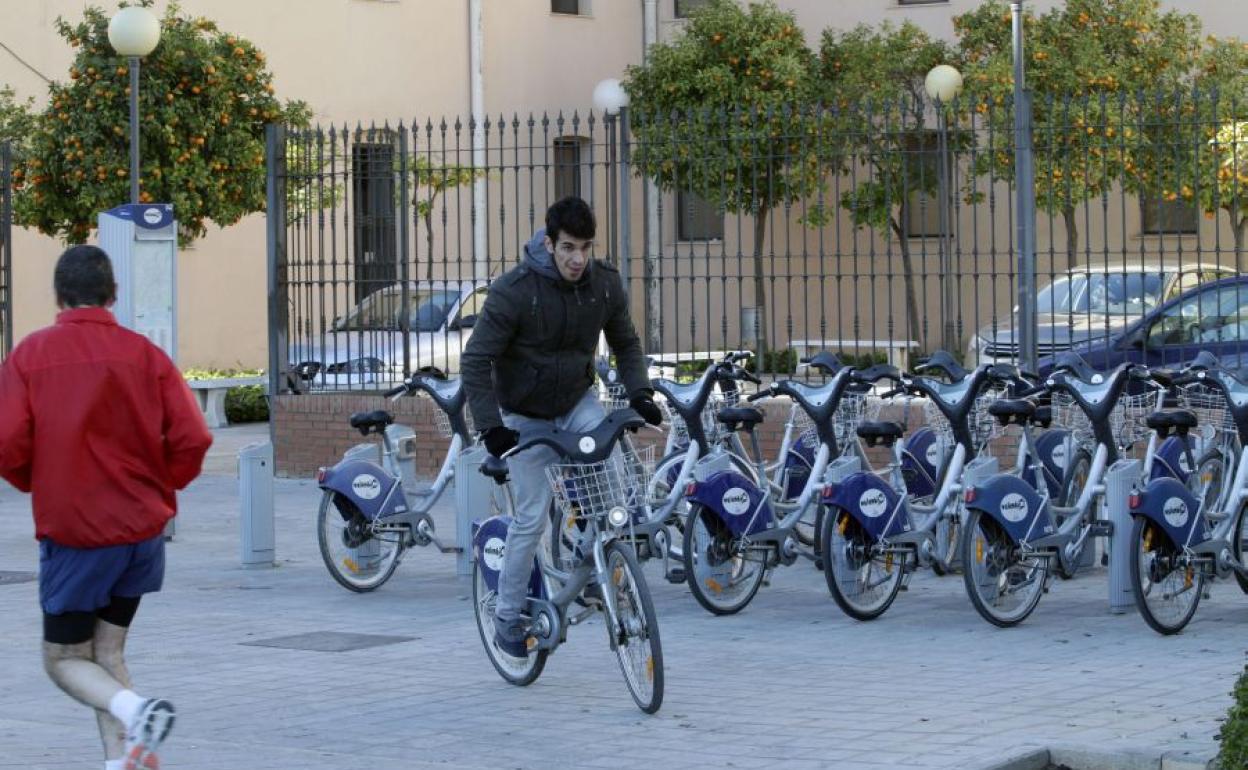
(377, 60)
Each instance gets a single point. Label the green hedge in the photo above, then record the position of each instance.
(242, 404)
(1234, 736)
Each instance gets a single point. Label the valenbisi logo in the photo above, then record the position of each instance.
(934, 452)
(366, 486)
(1014, 507)
(1175, 511)
(873, 503)
(1185, 465)
(736, 501)
(1058, 457)
(493, 552)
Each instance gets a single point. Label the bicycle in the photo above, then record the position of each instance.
(377, 512)
(598, 485)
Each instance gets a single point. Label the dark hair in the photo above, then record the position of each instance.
(572, 216)
(84, 277)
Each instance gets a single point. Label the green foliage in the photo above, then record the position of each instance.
(204, 99)
(1085, 60)
(783, 361)
(1234, 735)
(247, 403)
(431, 181)
(17, 118)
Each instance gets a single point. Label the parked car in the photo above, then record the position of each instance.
(365, 346)
(1213, 317)
(1093, 303)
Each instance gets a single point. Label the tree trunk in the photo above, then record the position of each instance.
(907, 270)
(1238, 226)
(760, 286)
(1072, 235)
(428, 217)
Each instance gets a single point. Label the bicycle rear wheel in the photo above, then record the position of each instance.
(356, 556)
(634, 631)
(863, 581)
(517, 671)
(1004, 586)
(722, 580)
(1167, 589)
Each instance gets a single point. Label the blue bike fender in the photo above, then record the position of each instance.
(1171, 460)
(736, 500)
(374, 491)
(1171, 507)
(489, 548)
(1015, 505)
(872, 502)
(920, 462)
(1051, 446)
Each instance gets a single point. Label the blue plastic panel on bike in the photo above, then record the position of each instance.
(1015, 505)
(872, 502)
(1171, 461)
(921, 458)
(376, 493)
(736, 500)
(1051, 446)
(1174, 509)
(797, 465)
(489, 548)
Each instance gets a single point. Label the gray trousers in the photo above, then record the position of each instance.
(527, 471)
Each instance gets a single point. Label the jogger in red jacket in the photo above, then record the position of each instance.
(98, 425)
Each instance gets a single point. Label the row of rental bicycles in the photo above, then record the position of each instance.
(1004, 480)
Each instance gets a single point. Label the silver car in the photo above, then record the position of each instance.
(1091, 303)
(367, 347)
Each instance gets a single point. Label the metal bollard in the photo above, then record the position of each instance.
(255, 491)
(474, 499)
(1119, 479)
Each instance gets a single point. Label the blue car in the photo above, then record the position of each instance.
(1212, 316)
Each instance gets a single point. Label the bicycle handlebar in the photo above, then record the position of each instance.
(396, 392)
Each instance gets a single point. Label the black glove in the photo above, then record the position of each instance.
(499, 439)
(644, 405)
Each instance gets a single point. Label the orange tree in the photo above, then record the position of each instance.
(1086, 61)
(725, 110)
(205, 96)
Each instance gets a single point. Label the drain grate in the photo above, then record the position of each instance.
(329, 641)
(9, 577)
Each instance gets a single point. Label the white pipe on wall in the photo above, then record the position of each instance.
(476, 81)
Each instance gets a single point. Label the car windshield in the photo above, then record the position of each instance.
(382, 310)
(1102, 293)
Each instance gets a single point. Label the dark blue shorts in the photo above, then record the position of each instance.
(86, 579)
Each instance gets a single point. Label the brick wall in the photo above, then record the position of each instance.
(312, 430)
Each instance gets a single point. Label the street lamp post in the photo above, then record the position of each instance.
(611, 99)
(942, 84)
(134, 32)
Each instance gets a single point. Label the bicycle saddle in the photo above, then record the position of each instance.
(740, 417)
(885, 433)
(592, 446)
(828, 363)
(1010, 410)
(941, 361)
(1180, 421)
(365, 421)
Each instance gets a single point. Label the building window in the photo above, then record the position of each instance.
(569, 7)
(569, 171)
(697, 219)
(685, 7)
(1158, 217)
(922, 175)
(373, 213)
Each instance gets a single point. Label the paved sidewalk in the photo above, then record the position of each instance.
(789, 682)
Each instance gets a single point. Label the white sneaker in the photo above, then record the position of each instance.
(146, 732)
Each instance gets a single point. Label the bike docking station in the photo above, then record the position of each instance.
(255, 493)
(474, 499)
(1120, 479)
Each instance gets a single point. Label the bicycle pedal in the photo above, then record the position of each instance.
(1101, 529)
(675, 576)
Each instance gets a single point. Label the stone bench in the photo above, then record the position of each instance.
(211, 396)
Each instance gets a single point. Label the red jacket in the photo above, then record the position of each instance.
(98, 423)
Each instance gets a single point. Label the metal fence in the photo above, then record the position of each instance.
(881, 229)
(6, 249)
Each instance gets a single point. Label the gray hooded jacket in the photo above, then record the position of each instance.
(532, 349)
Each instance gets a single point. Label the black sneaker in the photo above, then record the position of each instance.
(510, 636)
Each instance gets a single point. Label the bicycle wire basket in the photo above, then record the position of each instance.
(853, 410)
(590, 490)
(710, 425)
(443, 421)
(613, 396)
(984, 427)
(1209, 406)
(1126, 420)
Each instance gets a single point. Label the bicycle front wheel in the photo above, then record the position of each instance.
(1167, 588)
(634, 631)
(1003, 584)
(357, 557)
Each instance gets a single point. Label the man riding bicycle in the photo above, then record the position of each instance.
(530, 362)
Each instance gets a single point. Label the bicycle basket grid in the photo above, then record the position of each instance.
(613, 396)
(853, 410)
(1209, 406)
(443, 421)
(710, 426)
(592, 489)
(1126, 421)
(984, 427)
